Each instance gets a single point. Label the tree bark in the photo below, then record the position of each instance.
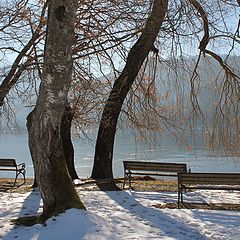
(45, 121)
(67, 141)
(102, 167)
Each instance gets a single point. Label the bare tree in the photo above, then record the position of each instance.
(105, 141)
(19, 18)
(44, 122)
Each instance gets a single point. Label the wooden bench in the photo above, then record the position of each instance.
(208, 181)
(151, 168)
(9, 164)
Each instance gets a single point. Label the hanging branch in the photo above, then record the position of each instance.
(11, 79)
(225, 67)
(201, 11)
(202, 47)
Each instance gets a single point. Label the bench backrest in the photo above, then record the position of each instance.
(155, 166)
(8, 162)
(209, 178)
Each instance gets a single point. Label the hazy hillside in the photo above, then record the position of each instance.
(172, 81)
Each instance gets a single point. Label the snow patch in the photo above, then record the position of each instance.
(118, 215)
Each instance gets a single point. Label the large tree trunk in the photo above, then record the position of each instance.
(67, 141)
(105, 140)
(31, 147)
(44, 122)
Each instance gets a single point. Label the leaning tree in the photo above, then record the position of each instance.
(105, 141)
(188, 24)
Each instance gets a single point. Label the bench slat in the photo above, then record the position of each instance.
(155, 167)
(152, 165)
(154, 174)
(8, 169)
(215, 187)
(211, 181)
(208, 178)
(8, 162)
(158, 169)
(206, 175)
(138, 163)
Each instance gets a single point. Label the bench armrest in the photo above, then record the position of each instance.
(21, 165)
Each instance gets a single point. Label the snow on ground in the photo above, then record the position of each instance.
(123, 215)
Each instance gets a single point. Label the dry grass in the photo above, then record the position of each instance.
(210, 206)
(157, 185)
(138, 184)
(7, 185)
(145, 183)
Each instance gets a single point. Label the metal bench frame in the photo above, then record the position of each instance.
(207, 181)
(9, 164)
(151, 168)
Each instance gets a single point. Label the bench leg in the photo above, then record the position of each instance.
(24, 178)
(129, 181)
(127, 176)
(180, 196)
(178, 202)
(15, 181)
(124, 181)
(17, 174)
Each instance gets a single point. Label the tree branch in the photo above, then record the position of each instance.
(225, 67)
(7, 83)
(201, 11)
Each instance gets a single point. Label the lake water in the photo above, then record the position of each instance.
(199, 160)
